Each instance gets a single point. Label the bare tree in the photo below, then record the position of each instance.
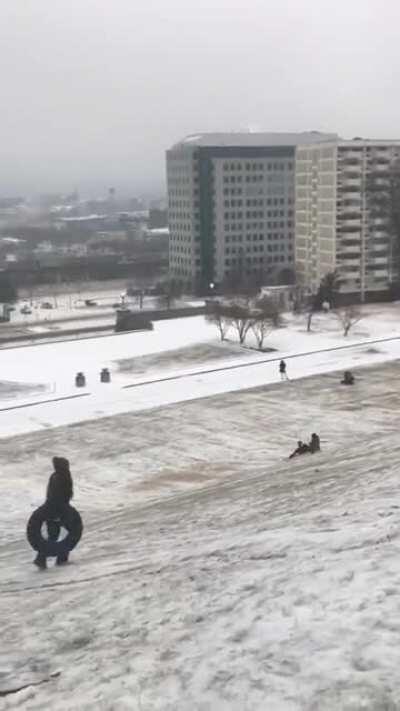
(217, 314)
(240, 316)
(261, 326)
(265, 316)
(348, 317)
(310, 314)
(310, 309)
(261, 316)
(170, 291)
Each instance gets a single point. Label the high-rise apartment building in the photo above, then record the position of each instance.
(231, 205)
(337, 227)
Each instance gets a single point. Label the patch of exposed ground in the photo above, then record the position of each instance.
(189, 355)
(9, 389)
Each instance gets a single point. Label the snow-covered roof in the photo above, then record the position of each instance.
(255, 139)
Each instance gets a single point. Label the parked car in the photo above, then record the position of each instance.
(25, 310)
(46, 305)
(90, 302)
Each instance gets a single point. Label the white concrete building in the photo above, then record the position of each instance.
(336, 225)
(231, 205)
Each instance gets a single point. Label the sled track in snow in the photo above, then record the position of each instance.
(276, 484)
(262, 361)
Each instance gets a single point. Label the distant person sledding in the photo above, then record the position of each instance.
(348, 378)
(304, 448)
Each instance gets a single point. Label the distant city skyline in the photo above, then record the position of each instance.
(94, 93)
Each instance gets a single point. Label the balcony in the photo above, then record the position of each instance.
(350, 155)
(377, 222)
(350, 171)
(380, 273)
(379, 167)
(353, 182)
(344, 236)
(349, 222)
(349, 262)
(350, 193)
(377, 260)
(347, 249)
(346, 213)
(384, 256)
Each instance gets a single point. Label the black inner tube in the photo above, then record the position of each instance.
(69, 519)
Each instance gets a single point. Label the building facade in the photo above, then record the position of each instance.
(231, 205)
(337, 227)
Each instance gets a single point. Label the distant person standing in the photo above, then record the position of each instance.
(282, 370)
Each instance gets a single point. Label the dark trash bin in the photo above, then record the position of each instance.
(80, 380)
(105, 375)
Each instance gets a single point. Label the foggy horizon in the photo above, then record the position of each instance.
(94, 93)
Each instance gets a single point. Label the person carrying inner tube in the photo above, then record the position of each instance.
(59, 493)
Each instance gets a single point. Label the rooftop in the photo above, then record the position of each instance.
(255, 139)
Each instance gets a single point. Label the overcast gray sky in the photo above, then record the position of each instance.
(94, 91)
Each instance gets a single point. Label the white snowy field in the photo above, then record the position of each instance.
(213, 574)
(54, 365)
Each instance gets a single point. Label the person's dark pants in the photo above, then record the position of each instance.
(53, 532)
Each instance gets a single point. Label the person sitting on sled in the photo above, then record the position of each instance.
(301, 448)
(348, 378)
(59, 493)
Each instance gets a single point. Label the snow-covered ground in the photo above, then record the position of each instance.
(213, 573)
(179, 377)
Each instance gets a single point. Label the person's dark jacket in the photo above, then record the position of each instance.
(315, 445)
(60, 487)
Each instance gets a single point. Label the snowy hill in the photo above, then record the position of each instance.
(214, 573)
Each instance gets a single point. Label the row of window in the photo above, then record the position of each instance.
(179, 215)
(181, 260)
(256, 213)
(256, 248)
(178, 249)
(258, 166)
(258, 202)
(180, 227)
(179, 192)
(276, 190)
(238, 227)
(271, 237)
(177, 181)
(252, 179)
(258, 260)
(247, 179)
